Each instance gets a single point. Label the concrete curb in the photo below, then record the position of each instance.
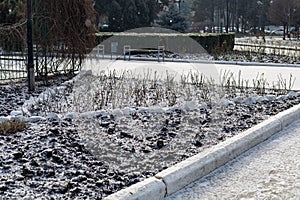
(151, 188)
(194, 168)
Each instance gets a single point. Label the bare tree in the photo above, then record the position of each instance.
(285, 13)
(234, 14)
(65, 29)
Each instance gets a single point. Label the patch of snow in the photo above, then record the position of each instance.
(282, 98)
(50, 92)
(190, 106)
(117, 113)
(77, 77)
(5, 119)
(143, 110)
(53, 117)
(292, 95)
(156, 109)
(271, 97)
(226, 102)
(128, 111)
(250, 100)
(44, 96)
(28, 104)
(19, 118)
(238, 100)
(203, 106)
(60, 89)
(261, 99)
(35, 119)
(172, 109)
(102, 113)
(25, 111)
(70, 115)
(88, 115)
(16, 113)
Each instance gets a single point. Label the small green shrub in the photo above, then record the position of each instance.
(8, 128)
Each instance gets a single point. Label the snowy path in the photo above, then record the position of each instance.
(270, 170)
(270, 73)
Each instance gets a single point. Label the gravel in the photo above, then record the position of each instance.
(94, 156)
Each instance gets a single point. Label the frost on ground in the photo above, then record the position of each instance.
(150, 124)
(133, 127)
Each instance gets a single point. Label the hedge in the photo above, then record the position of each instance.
(212, 43)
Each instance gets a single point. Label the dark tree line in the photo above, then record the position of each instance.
(217, 15)
(234, 15)
(127, 14)
(11, 11)
(285, 13)
(240, 15)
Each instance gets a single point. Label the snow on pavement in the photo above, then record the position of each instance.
(271, 170)
(272, 74)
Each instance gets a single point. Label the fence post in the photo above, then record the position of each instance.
(126, 50)
(161, 49)
(30, 64)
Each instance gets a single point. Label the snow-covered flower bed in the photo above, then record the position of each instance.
(134, 127)
(121, 116)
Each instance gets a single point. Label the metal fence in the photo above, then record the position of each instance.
(12, 52)
(12, 65)
(49, 59)
(273, 47)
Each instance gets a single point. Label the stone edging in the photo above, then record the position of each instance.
(184, 173)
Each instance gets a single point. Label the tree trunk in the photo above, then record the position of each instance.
(212, 16)
(227, 16)
(284, 31)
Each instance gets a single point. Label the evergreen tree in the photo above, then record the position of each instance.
(130, 15)
(173, 19)
(142, 13)
(115, 17)
(152, 8)
(11, 11)
(127, 14)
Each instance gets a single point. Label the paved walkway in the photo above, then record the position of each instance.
(271, 170)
